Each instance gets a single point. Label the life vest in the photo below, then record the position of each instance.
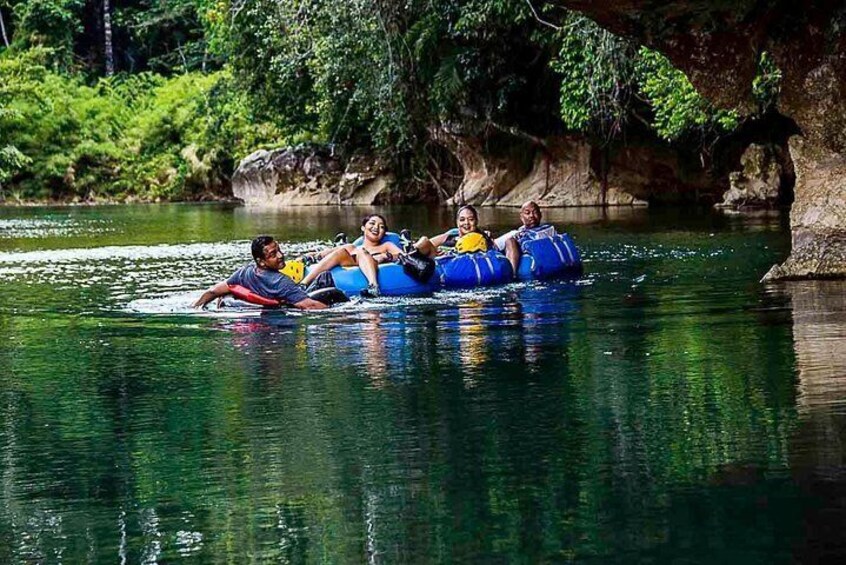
(295, 269)
(468, 270)
(472, 242)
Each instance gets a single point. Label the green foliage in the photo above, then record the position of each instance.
(679, 110)
(167, 35)
(17, 76)
(130, 135)
(380, 74)
(49, 23)
(597, 76)
(11, 161)
(361, 74)
(767, 83)
(602, 74)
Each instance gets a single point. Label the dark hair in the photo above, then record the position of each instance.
(470, 208)
(258, 245)
(380, 216)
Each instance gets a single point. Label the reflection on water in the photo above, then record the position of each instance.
(663, 408)
(818, 457)
(819, 337)
(472, 344)
(373, 347)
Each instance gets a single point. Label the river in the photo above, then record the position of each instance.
(664, 407)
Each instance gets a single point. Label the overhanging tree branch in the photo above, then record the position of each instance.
(3, 30)
(539, 19)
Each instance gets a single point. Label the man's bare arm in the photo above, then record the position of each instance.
(218, 290)
(309, 304)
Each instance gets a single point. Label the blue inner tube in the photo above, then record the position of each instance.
(548, 258)
(388, 237)
(470, 270)
(542, 259)
(392, 281)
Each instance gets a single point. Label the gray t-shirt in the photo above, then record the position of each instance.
(270, 284)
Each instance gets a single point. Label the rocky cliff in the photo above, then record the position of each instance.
(760, 180)
(718, 44)
(494, 170)
(313, 175)
(501, 170)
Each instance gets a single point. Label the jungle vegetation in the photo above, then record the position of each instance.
(148, 99)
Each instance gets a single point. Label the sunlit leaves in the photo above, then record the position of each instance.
(767, 83)
(11, 160)
(597, 76)
(678, 108)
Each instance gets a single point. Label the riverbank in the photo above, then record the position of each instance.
(129, 200)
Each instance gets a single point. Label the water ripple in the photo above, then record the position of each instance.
(32, 228)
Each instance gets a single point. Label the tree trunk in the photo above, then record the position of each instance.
(3, 30)
(107, 29)
(604, 164)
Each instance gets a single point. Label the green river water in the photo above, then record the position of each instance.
(666, 407)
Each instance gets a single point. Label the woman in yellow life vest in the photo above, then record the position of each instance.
(466, 237)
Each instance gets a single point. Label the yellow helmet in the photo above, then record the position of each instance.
(471, 242)
(294, 269)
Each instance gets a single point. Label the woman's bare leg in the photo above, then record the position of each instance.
(338, 257)
(368, 267)
(426, 247)
(513, 253)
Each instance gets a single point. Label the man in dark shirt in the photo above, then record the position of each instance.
(263, 278)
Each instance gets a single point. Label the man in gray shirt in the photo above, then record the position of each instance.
(264, 279)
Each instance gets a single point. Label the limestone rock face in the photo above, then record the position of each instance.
(758, 183)
(568, 171)
(656, 173)
(492, 165)
(717, 45)
(498, 170)
(817, 218)
(312, 176)
(561, 176)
